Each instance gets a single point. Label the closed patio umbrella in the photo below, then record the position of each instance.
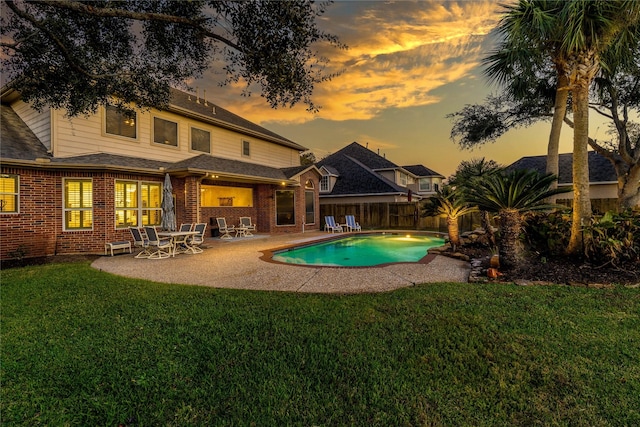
(168, 212)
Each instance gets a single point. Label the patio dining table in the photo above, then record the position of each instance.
(179, 239)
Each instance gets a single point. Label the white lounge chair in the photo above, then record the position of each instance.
(352, 225)
(225, 230)
(163, 246)
(197, 239)
(139, 241)
(331, 226)
(245, 222)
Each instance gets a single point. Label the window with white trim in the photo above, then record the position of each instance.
(309, 203)
(324, 183)
(9, 193)
(165, 132)
(425, 184)
(78, 204)
(137, 203)
(120, 123)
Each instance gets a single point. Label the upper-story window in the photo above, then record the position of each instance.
(165, 132)
(120, 123)
(78, 204)
(425, 184)
(403, 179)
(9, 189)
(436, 187)
(200, 140)
(324, 183)
(246, 148)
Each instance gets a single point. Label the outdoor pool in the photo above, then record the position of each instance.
(361, 250)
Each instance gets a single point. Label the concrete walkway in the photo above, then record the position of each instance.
(237, 264)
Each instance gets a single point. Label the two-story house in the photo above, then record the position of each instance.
(69, 185)
(356, 177)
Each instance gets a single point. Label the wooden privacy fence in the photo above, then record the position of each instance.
(405, 216)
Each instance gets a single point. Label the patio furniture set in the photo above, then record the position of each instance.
(331, 226)
(245, 229)
(156, 244)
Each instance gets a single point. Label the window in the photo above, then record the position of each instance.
(137, 204)
(120, 123)
(165, 132)
(9, 186)
(78, 204)
(246, 149)
(324, 183)
(309, 203)
(435, 187)
(219, 196)
(285, 207)
(403, 179)
(309, 207)
(425, 184)
(200, 140)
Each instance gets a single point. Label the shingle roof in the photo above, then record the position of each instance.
(600, 169)
(420, 170)
(18, 141)
(365, 156)
(214, 114)
(355, 178)
(205, 162)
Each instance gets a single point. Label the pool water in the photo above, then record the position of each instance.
(361, 251)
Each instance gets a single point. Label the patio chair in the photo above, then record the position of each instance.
(245, 222)
(225, 229)
(197, 239)
(181, 242)
(331, 226)
(352, 225)
(163, 247)
(140, 241)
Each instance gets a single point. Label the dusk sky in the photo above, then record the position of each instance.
(409, 64)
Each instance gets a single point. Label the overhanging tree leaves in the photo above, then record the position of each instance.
(78, 55)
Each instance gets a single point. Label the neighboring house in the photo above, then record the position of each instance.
(603, 181)
(357, 181)
(71, 185)
(356, 174)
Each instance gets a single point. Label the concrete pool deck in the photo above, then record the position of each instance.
(237, 264)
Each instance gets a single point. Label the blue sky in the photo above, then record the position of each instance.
(408, 65)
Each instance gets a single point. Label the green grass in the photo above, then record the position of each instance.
(82, 347)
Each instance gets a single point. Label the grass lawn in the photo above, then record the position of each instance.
(83, 347)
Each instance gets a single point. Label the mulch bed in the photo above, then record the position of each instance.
(559, 270)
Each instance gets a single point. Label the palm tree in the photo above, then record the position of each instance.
(466, 175)
(574, 35)
(450, 204)
(510, 195)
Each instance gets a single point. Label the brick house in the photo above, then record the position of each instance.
(68, 186)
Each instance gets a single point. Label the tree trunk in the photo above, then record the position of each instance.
(559, 112)
(454, 232)
(629, 192)
(581, 201)
(510, 248)
(485, 220)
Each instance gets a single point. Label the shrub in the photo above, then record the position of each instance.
(547, 233)
(613, 239)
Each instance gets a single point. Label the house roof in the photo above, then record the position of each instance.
(600, 169)
(356, 178)
(184, 103)
(420, 170)
(18, 141)
(20, 146)
(365, 156)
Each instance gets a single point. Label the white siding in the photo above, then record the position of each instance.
(86, 135)
(38, 122)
